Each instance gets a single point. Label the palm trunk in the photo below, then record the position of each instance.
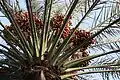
(41, 71)
(41, 76)
(33, 76)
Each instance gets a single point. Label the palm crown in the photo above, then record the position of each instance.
(47, 48)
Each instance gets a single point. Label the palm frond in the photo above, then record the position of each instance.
(15, 25)
(71, 63)
(69, 12)
(33, 30)
(90, 72)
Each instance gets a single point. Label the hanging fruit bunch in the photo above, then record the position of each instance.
(22, 20)
(56, 23)
(78, 37)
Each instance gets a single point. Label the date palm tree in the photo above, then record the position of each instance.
(46, 48)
